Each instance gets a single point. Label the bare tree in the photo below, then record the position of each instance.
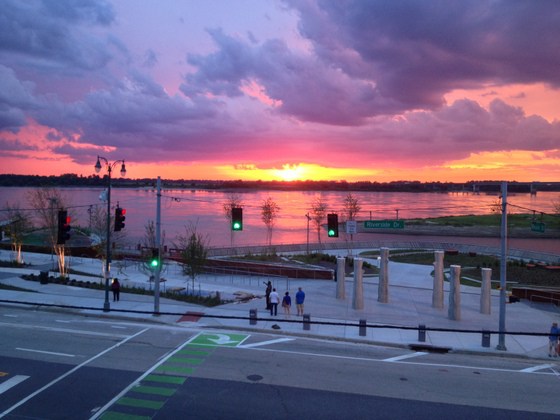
(18, 224)
(47, 202)
(318, 214)
(233, 201)
(351, 208)
(193, 248)
(98, 231)
(269, 213)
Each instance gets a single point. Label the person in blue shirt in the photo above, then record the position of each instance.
(553, 340)
(300, 298)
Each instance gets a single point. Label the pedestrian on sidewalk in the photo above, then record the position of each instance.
(300, 298)
(116, 288)
(287, 304)
(267, 293)
(274, 301)
(553, 340)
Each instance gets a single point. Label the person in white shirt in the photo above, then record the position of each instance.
(274, 301)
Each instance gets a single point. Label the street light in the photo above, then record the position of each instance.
(109, 166)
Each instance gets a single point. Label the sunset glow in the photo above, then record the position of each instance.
(282, 90)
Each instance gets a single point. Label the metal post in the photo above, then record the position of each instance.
(502, 327)
(363, 327)
(422, 333)
(252, 317)
(157, 271)
(106, 304)
(110, 166)
(306, 322)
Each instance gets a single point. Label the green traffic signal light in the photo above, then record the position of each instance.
(236, 218)
(154, 261)
(332, 225)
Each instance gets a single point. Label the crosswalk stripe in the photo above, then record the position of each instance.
(10, 383)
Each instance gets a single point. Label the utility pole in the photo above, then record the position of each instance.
(503, 266)
(157, 271)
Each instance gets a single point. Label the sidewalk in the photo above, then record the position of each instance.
(410, 298)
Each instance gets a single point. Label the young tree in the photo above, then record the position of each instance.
(193, 247)
(318, 214)
(233, 201)
(269, 213)
(19, 224)
(98, 231)
(47, 202)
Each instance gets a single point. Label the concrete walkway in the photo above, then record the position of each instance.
(394, 323)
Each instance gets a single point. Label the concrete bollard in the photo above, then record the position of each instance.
(422, 333)
(454, 310)
(340, 277)
(437, 293)
(358, 297)
(383, 286)
(252, 317)
(306, 322)
(363, 327)
(485, 338)
(486, 291)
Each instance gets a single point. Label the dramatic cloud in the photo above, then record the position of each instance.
(338, 84)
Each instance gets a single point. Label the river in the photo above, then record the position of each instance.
(180, 208)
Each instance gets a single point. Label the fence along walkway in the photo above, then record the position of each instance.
(394, 244)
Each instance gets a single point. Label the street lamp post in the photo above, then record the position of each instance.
(109, 166)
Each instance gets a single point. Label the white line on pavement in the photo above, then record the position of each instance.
(71, 371)
(46, 352)
(266, 343)
(10, 383)
(405, 356)
(536, 368)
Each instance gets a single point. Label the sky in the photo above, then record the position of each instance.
(354, 90)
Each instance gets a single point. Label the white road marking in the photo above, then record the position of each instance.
(266, 343)
(10, 316)
(70, 372)
(68, 330)
(537, 368)
(10, 383)
(405, 356)
(46, 352)
(62, 321)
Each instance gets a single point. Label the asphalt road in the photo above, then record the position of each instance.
(64, 366)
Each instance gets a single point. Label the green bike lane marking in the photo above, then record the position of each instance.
(149, 393)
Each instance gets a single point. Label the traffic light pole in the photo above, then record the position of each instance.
(157, 271)
(503, 267)
(106, 304)
(110, 166)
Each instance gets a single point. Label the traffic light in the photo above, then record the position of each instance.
(236, 218)
(119, 218)
(332, 225)
(63, 227)
(154, 260)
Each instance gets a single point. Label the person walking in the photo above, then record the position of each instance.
(274, 300)
(287, 304)
(553, 340)
(300, 298)
(267, 294)
(116, 288)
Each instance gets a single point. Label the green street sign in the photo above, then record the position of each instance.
(384, 224)
(537, 227)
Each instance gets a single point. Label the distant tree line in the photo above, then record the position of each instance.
(73, 180)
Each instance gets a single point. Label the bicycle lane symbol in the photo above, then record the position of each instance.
(218, 339)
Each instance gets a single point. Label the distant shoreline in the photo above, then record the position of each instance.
(470, 187)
